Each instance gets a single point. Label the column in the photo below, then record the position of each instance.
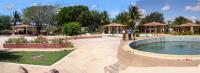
(117, 30)
(155, 29)
(26, 30)
(13, 31)
(150, 29)
(102, 28)
(192, 29)
(109, 30)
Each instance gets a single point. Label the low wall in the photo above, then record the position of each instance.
(35, 45)
(136, 58)
(83, 37)
(169, 38)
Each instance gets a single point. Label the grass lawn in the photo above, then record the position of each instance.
(33, 57)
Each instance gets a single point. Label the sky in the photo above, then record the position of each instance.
(170, 8)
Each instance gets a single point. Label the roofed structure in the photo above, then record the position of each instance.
(193, 28)
(188, 25)
(114, 28)
(114, 25)
(153, 27)
(23, 25)
(154, 24)
(24, 28)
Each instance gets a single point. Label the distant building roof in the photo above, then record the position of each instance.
(23, 25)
(154, 24)
(188, 25)
(114, 25)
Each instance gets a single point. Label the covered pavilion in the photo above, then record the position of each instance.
(24, 28)
(193, 28)
(154, 27)
(114, 28)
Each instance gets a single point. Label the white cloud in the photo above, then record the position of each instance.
(36, 4)
(142, 12)
(193, 8)
(94, 6)
(167, 7)
(192, 18)
(8, 6)
(114, 13)
(133, 3)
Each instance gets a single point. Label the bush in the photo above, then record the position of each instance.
(183, 33)
(40, 39)
(70, 45)
(17, 40)
(57, 41)
(187, 33)
(72, 28)
(137, 34)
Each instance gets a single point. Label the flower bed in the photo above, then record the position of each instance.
(39, 42)
(35, 45)
(83, 37)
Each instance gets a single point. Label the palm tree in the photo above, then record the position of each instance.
(16, 18)
(123, 18)
(104, 18)
(181, 20)
(135, 16)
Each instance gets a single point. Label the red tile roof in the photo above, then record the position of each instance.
(154, 24)
(188, 25)
(23, 26)
(114, 25)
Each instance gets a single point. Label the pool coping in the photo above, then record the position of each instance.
(126, 47)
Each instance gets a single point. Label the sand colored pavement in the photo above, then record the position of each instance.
(97, 55)
(161, 70)
(91, 56)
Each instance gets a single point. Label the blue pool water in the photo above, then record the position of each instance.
(169, 47)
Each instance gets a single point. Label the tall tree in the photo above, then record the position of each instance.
(90, 19)
(40, 14)
(153, 17)
(135, 15)
(123, 18)
(16, 18)
(180, 20)
(130, 18)
(197, 22)
(70, 14)
(4, 23)
(96, 21)
(105, 18)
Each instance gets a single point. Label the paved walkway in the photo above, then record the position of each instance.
(97, 55)
(91, 56)
(161, 70)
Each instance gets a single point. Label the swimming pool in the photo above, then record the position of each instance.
(169, 45)
(161, 51)
(176, 48)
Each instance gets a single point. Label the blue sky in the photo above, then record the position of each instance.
(170, 8)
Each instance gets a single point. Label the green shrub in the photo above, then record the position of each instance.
(183, 33)
(57, 41)
(137, 34)
(176, 33)
(70, 45)
(40, 39)
(187, 33)
(72, 28)
(17, 40)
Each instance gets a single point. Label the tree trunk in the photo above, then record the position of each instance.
(38, 28)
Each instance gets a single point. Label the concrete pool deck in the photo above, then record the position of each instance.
(97, 55)
(137, 58)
